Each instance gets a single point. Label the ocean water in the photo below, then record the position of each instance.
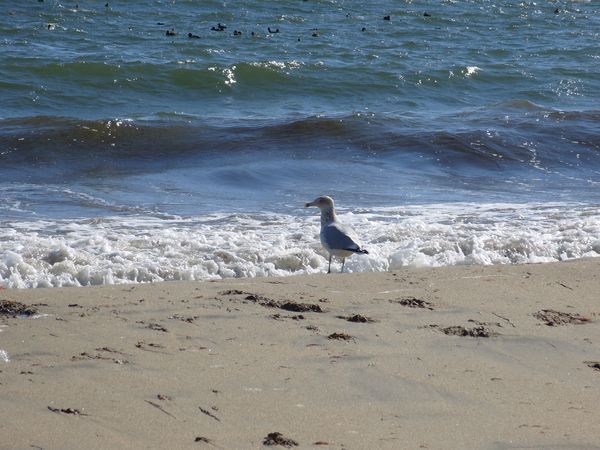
(456, 132)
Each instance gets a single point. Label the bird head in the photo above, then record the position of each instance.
(323, 202)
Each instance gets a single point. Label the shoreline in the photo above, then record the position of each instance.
(138, 249)
(449, 357)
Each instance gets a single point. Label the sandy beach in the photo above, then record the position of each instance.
(494, 357)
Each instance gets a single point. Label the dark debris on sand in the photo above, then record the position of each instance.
(413, 302)
(593, 365)
(72, 411)
(143, 345)
(278, 439)
(357, 318)
(188, 319)
(98, 356)
(14, 309)
(157, 327)
(299, 307)
(479, 331)
(232, 292)
(340, 336)
(208, 413)
(280, 317)
(270, 303)
(553, 318)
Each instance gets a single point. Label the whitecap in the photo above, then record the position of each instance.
(471, 70)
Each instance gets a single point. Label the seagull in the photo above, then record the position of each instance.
(338, 239)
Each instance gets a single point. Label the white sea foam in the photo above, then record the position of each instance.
(471, 70)
(139, 249)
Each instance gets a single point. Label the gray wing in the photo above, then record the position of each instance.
(339, 237)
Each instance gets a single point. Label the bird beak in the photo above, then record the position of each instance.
(307, 204)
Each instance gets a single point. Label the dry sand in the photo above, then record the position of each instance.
(223, 364)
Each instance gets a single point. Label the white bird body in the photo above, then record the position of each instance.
(338, 239)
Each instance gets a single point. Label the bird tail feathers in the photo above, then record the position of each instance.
(357, 250)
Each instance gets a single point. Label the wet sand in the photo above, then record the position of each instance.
(496, 357)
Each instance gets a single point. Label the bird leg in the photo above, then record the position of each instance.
(343, 262)
(329, 268)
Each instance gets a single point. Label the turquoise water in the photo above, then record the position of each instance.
(480, 118)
